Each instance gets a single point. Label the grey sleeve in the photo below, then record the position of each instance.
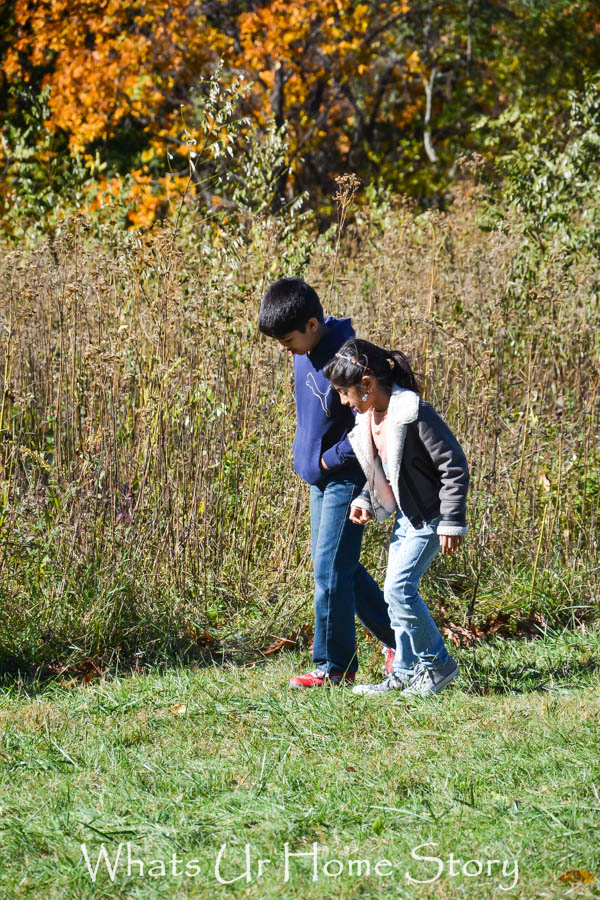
(363, 501)
(451, 464)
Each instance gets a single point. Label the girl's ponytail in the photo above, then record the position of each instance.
(402, 373)
(357, 358)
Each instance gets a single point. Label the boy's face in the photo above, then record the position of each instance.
(300, 342)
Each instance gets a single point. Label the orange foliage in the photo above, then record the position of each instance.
(348, 78)
(107, 60)
(145, 198)
(114, 68)
(328, 55)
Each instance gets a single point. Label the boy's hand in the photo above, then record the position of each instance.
(450, 542)
(324, 464)
(359, 516)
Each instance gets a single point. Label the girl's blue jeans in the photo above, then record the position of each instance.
(343, 587)
(418, 640)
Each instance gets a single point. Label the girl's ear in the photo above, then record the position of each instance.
(368, 382)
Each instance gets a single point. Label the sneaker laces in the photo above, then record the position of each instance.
(420, 674)
(393, 680)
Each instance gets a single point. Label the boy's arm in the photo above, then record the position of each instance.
(338, 455)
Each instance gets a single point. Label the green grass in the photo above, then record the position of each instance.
(504, 766)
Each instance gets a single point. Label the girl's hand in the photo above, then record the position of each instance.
(359, 516)
(450, 542)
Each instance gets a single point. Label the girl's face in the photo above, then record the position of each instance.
(352, 397)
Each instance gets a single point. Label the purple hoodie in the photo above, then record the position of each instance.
(322, 423)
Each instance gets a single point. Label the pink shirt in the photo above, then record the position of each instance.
(378, 422)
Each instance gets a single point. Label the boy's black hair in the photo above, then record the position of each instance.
(287, 306)
(357, 358)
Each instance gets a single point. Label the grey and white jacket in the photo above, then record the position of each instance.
(428, 472)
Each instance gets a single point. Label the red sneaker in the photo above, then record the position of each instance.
(389, 655)
(318, 678)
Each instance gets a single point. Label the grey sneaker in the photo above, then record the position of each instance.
(392, 682)
(432, 681)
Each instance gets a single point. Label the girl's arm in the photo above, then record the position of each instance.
(450, 461)
(361, 510)
(450, 542)
(359, 516)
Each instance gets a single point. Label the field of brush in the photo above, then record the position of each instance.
(148, 504)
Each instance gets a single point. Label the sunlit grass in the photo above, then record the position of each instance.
(503, 766)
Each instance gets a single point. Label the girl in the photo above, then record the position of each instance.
(416, 469)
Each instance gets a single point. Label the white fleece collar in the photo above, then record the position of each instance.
(404, 406)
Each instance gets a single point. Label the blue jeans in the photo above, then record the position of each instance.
(418, 640)
(343, 587)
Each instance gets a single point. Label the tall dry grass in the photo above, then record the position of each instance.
(147, 497)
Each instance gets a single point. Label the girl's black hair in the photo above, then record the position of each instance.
(357, 358)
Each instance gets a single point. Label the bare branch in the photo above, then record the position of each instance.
(429, 148)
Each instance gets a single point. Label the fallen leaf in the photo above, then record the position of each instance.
(85, 669)
(535, 624)
(296, 639)
(460, 635)
(501, 623)
(577, 876)
(178, 709)
(199, 635)
(280, 644)
(305, 635)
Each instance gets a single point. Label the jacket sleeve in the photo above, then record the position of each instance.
(451, 464)
(338, 454)
(363, 501)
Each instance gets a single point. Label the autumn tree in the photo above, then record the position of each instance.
(118, 76)
(113, 98)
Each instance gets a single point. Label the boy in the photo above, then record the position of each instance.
(292, 313)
